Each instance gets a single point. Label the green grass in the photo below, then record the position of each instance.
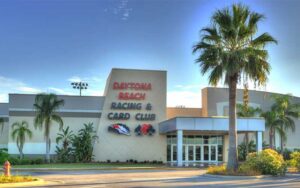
(16, 179)
(89, 165)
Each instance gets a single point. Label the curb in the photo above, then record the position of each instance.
(238, 177)
(116, 168)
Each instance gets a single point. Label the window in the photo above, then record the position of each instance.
(198, 140)
(213, 140)
(205, 139)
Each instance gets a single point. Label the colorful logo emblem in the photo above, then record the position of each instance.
(119, 129)
(144, 129)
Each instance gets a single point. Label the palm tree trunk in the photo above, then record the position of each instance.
(232, 153)
(247, 142)
(271, 137)
(21, 153)
(281, 141)
(47, 149)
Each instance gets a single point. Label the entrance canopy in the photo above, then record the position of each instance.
(218, 124)
(205, 152)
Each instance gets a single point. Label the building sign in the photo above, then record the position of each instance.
(131, 91)
(144, 129)
(119, 129)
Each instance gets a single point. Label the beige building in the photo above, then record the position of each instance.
(133, 122)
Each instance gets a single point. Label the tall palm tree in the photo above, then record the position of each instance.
(230, 49)
(20, 130)
(65, 137)
(46, 106)
(286, 112)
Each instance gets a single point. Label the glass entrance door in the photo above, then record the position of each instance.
(205, 153)
(208, 149)
(198, 153)
(213, 153)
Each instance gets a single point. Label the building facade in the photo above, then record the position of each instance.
(133, 122)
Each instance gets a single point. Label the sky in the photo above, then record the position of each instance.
(47, 44)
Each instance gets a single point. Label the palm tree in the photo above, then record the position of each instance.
(84, 143)
(2, 124)
(20, 130)
(272, 122)
(230, 49)
(244, 110)
(65, 137)
(286, 112)
(46, 106)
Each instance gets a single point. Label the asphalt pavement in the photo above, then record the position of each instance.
(155, 178)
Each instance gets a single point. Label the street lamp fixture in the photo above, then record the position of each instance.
(80, 86)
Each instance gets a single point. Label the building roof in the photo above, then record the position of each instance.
(72, 103)
(3, 109)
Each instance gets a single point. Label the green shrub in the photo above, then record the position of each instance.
(39, 161)
(14, 160)
(286, 154)
(64, 155)
(267, 161)
(295, 160)
(25, 161)
(242, 150)
(247, 170)
(3, 156)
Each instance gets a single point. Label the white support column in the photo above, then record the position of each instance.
(179, 147)
(259, 141)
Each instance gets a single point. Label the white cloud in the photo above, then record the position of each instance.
(95, 87)
(75, 79)
(85, 79)
(9, 85)
(192, 86)
(120, 9)
(184, 98)
(28, 89)
(59, 91)
(3, 97)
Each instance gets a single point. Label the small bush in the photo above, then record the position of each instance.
(286, 154)
(14, 160)
(25, 162)
(3, 156)
(247, 170)
(217, 170)
(267, 161)
(243, 170)
(295, 160)
(38, 161)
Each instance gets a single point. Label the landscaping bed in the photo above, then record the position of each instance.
(88, 165)
(266, 162)
(16, 179)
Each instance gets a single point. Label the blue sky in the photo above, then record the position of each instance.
(46, 44)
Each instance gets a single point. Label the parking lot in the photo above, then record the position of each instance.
(155, 178)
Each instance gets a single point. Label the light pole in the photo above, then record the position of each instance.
(80, 86)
